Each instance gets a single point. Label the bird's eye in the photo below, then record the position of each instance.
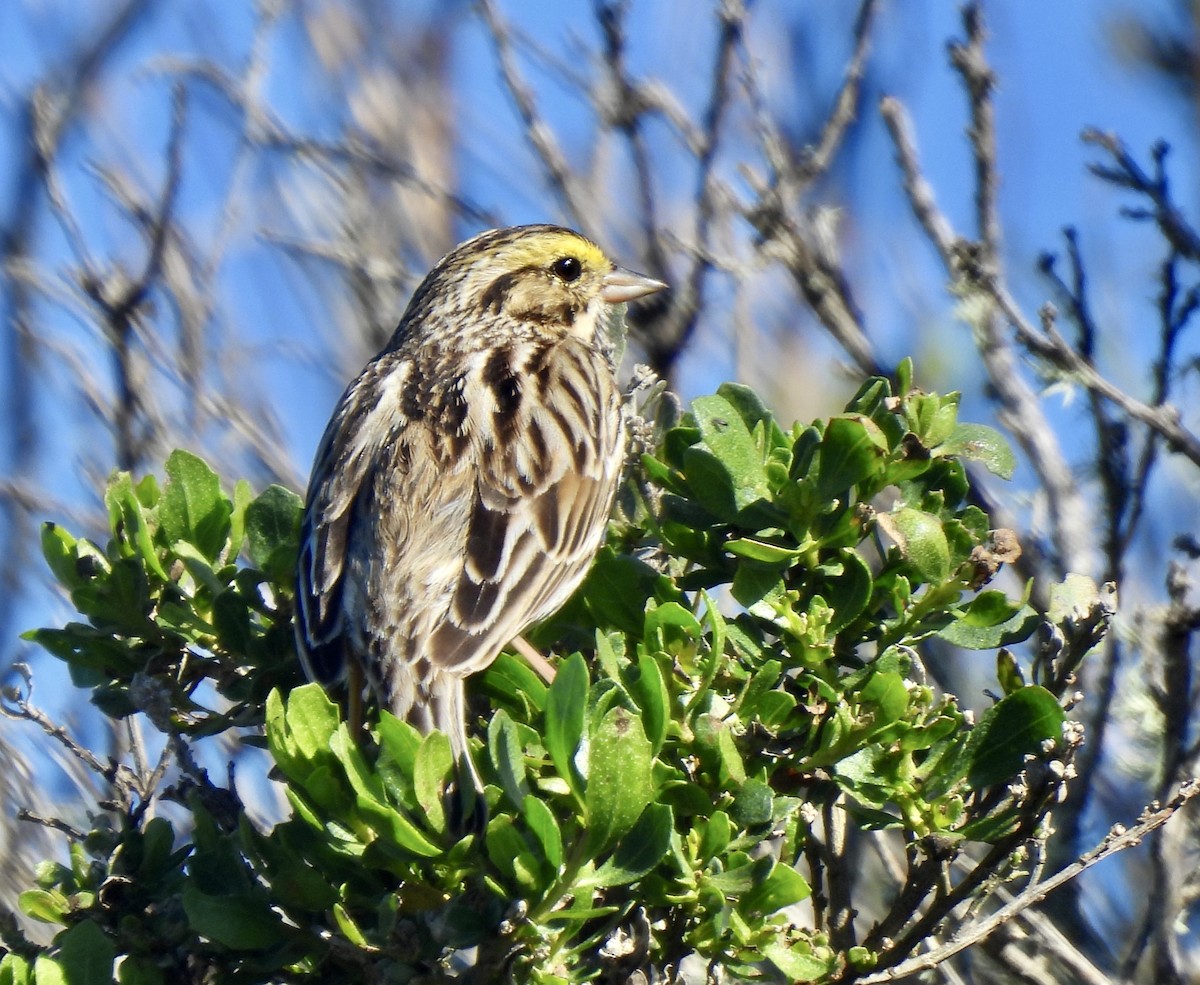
(567, 268)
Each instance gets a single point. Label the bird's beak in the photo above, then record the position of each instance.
(621, 285)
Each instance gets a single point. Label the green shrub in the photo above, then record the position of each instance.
(746, 696)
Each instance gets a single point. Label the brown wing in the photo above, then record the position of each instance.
(546, 447)
(347, 459)
(450, 520)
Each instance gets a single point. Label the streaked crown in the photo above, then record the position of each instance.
(522, 281)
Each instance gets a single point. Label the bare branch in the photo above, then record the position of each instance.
(673, 332)
(1129, 174)
(816, 159)
(537, 132)
(1117, 840)
(1019, 405)
(971, 62)
(1049, 345)
(918, 190)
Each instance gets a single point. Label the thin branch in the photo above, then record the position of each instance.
(1129, 174)
(15, 703)
(816, 159)
(841, 910)
(920, 194)
(1117, 840)
(53, 823)
(672, 333)
(970, 60)
(1049, 345)
(805, 245)
(537, 132)
(1019, 405)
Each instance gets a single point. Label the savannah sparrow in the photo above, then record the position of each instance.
(463, 484)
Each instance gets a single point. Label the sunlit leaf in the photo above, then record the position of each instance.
(619, 784)
(983, 444)
(566, 706)
(1015, 727)
(193, 508)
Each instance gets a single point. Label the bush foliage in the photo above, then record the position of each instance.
(740, 695)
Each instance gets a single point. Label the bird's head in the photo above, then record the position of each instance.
(533, 280)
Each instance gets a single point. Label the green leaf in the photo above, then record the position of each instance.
(566, 706)
(1008, 672)
(541, 822)
(670, 623)
(312, 718)
(742, 875)
(399, 743)
(849, 592)
(606, 653)
(852, 449)
(871, 819)
(783, 887)
(273, 531)
(983, 444)
(644, 847)
(757, 588)
(504, 749)
(650, 692)
(86, 954)
(346, 924)
(619, 783)
(992, 827)
(869, 398)
(350, 763)
(511, 679)
(797, 962)
(715, 835)
(731, 759)
(933, 416)
(510, 853)
(193, 508)
(616, 591)
(46, 905)
(747, 403)
(752, 804)
(970, 634)
(120, 601)
(240, 922)
(399, 836)
(431, 774)
(726, 436)
(764, 679)
(886, 691)
(1015, 727)
(48, 971)
(61, 554)
(293, 878)
(279, 741)
(15, 970)
(243, 495)
(128, 518)
(760, 550)
(775, 707)
(990, 608)
(921, 540)
(158, 839)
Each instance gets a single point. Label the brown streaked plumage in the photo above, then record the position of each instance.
(463, 483)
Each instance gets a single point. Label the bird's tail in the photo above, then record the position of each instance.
(465, 801)
(440, 703)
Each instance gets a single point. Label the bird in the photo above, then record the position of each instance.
(463, 484)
